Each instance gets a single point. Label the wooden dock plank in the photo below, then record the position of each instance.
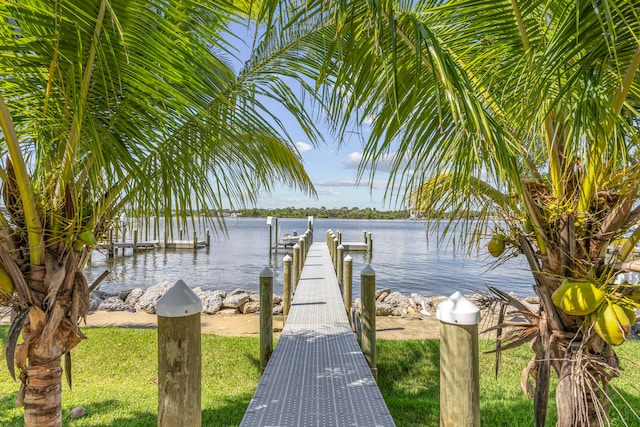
(317, 375)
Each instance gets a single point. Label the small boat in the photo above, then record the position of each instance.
(289, 239)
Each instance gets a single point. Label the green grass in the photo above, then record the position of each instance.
(114, 372)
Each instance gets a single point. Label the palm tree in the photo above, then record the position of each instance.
(113, 105)
(523, 109)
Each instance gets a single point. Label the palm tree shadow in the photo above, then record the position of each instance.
(228, 413)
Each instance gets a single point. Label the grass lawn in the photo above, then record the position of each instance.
(115, 371)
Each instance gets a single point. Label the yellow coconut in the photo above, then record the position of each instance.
(6, 284)
(612, 323)
(496, 245)
(578, 297)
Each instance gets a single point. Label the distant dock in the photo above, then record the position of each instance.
(287, 241)
(114, 246)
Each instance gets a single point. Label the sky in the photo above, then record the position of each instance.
(333, 169)
(331, 165)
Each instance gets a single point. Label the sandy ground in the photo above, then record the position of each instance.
(392, 328)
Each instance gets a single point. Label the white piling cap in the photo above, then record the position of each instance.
(458, 310)
(179, 301)
(287, 258)
(348, 258)
(368, 271)
(266, 272)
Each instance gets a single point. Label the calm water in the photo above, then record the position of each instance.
(404, 259)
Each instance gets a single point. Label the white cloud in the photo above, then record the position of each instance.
(368, 120)
(383, 164)
(377, 184)
(352, 160)
(328, 192)
(303, 146)
(335, 183)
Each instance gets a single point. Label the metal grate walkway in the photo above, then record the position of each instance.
(317, 375)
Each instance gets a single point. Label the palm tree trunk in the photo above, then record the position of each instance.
(43, 394)
(579, 395)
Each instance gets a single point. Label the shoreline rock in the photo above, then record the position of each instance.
(388, 303)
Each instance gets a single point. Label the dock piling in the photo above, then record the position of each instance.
(459, 362)
(296, 266)
(286, 266)
(179, 357)
(368, 297)
(340, 265)
(302, 251)
(266, 316)
(347, 273)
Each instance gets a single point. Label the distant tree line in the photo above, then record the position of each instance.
(322, 212)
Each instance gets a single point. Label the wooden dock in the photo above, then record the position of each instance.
(356, 246)
(317, 374)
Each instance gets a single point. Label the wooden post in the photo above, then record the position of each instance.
(266, 317)
(195, 240)
(286, 264)
(135, 240)
(348, 281)
(180, 234)
(369, 244)
(208, 238)
(124, 239)
(364, 236)
(340, 265)
(332, 244)
(179, 358)
(296, 266)
(302, 252)
(368, 297)
(111, 251)
(308, 241)
(335, 254)
(276, 232)
(339, 237)
(459, 362)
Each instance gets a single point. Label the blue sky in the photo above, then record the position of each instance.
(332, 168)
(332, 165)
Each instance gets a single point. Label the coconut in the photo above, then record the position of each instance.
(612, 323)
(578, 297)
(496, 245)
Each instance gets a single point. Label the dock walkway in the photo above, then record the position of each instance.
(317, 374)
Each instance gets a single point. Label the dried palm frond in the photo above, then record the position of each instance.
(521, 328)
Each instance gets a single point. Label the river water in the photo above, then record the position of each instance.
(404, 257)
